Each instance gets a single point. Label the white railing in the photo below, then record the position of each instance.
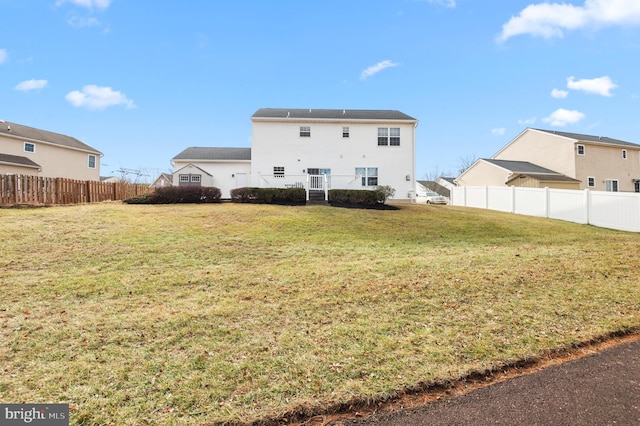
(614, 210)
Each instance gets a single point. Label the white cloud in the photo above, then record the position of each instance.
(3, 56)
(374, 69)
(498, 131)
(599, 86)
(445, 3)
(550, 20)
(78, 22)
(559, 94)
(562, 117)
(28, 85)
(527, 121)
(89, 4)
(97, 98)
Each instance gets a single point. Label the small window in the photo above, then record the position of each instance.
(611, 185)
(383, 136)
(184, 178)
(29, 147)
(278, 172)
(305, 131)
(624, 154)
(345, 132)
(92, 161)
(591, 181)
(580, 149)
(395, 136)
(195, 178)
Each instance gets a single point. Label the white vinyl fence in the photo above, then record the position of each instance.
(614, 210)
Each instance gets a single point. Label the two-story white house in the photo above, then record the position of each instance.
(315, 149)
(30, 151)
(322, 149)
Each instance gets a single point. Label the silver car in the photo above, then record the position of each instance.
(435, 198)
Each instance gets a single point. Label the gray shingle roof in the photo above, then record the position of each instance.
(27, 132)
(591, 138)
(212, 154)
(521, 167)
(18, 160)
(340, 114)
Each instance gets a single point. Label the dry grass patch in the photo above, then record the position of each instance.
(234, 313)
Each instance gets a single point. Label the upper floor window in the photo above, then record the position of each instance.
(278, 172)
(345, 132)
(591, 181)
(29, 147)
(92, 161)
(305, 131)
(388, 136)
(624, 154)
(580, 149)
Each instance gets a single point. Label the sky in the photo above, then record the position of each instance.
(142, 80)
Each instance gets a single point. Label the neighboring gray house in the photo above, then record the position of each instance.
(224, 168)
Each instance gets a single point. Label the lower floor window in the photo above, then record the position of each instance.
(591, 182)
(368, 175)
(278, 172)
(611, 185)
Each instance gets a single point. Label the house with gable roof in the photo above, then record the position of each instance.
(29, 151)
(315, 149)
(546, 158)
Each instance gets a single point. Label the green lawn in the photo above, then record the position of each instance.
(199, 314)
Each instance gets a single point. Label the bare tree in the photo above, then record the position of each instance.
(435, 173)
(466, 162)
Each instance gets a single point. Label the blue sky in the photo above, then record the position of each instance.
(142, 80)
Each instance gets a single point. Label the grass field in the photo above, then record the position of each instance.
(201, 314)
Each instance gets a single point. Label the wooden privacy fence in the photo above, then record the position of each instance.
(37, 190)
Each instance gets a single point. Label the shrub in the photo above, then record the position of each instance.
(353, 196)
(287, 196)
(383, 193)
(179, 194)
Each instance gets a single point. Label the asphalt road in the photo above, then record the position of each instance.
(598, 389)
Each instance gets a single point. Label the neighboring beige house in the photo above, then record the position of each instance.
(545, 158)
(29, 151)
(224, 168)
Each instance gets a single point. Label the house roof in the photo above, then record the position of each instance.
(435, 187)
(546, 177)
(520, 166)
(26, 132)
(591, 138)
(18, 161)
(195, 153)
(192, 166)
(332, 114)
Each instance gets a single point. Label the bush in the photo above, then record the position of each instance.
(353, 196)
(179, 194)
(383, 193)
(286, 196)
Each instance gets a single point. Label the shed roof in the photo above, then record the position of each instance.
(591, 138)
(195, 153)
(20, 131)
(18, 161)
(333, 114)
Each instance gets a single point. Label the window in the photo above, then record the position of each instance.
(580, 149)
(624, 154)
(29, 147)
(305, 131)
(345, 132)
(395, 136)
(368, 175)
(383, 136)
(195, 178)
(591, 181)
(184, 178)
(611, 185)
(92, 161)
(388, 136)
(278, 172)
